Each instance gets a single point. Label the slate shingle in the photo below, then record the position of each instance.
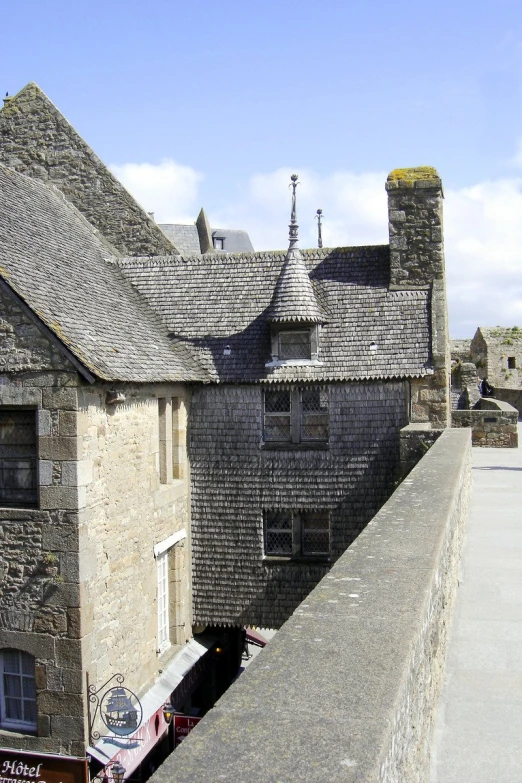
(59, 265)
(214, 301)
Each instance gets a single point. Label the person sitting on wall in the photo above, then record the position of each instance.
(487, 389)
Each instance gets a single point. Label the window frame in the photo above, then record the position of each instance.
(33, 458)
(296, 417)
(10, 724)
(298, 519)
(279, 330)
(163, 598)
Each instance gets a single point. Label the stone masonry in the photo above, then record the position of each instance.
(129, 505)
(39, 570)
(417, 261)
(37, 140)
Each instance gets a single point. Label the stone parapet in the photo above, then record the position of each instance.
(493, 425)
(347, 689)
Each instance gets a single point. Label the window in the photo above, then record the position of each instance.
(512, 363)
(162, 563)
(18, 453)
(297, 533)
(294, 345)
(219, 243)
(296, 415)
(17, 691)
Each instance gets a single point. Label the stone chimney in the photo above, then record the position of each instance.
(206, 245)
(417, 262)
(415, 225)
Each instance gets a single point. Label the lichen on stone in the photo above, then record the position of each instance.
(411, 175)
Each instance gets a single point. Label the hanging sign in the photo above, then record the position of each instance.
(183, 725)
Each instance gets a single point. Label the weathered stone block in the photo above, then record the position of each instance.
(73, 680)
(56, 497)
(11, 395)
(54, 703)
(44, 423)
(68, 423)
(39, 645)
(61, 398)
(44, 725)
(68, 653)
(59, 448)
(68, 727)
(45, 472)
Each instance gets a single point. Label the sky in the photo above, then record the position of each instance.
(215, 103)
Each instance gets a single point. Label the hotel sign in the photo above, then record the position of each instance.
(18, 767)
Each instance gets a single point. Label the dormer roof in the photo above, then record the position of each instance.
(294, 299)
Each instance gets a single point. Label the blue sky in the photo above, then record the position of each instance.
(214, 103)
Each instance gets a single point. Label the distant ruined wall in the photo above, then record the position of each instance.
(37, 140)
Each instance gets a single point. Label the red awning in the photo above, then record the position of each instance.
(253, 637)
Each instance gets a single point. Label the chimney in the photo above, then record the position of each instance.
(415, 224)
(206, 244)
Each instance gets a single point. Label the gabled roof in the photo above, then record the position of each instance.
(54, 260)
(294, 299)
(37, 140)
(214, 301)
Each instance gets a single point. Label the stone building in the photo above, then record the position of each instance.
(497, 353)
(94, 491)
(317, 359)
(201, 238)
(293, 374)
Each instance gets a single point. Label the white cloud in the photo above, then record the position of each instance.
(354, 209)
(483, 243)
(483, 226)
(168, 189)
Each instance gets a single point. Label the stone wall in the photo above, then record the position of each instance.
(498, 356)
(234, 479)
(511, 396)
(493, 425)
(39, 584)
(347, 690)
(415, 440)
(131, 502)
(37, 140)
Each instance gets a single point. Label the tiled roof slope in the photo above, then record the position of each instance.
(215, 301)
(294, 299)
(58, 264)
(186, 238)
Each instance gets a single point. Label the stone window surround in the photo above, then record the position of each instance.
(295, 534)
(172, 448)
(18, 726)
(25, 398)
(32, 499)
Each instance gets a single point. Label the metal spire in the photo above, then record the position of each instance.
(293, 235)
(319, 233)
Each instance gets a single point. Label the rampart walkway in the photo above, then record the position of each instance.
(478, 736)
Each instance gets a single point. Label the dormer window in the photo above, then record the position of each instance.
(218, 240)
(294, 345)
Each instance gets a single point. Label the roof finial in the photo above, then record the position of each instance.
(319, 232)
(293, 234)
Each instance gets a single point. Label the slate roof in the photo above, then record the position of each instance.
(61, 267)
(186, 238)
(294, 299)
(214, 301)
